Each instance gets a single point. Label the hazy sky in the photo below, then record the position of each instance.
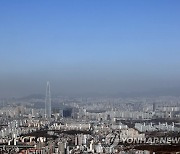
(89, 46)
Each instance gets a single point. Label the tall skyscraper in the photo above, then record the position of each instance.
(48, 101)
(154, 106)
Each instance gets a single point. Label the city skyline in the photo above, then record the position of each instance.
(89, 77)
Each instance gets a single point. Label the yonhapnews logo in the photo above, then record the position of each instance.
(113, 139)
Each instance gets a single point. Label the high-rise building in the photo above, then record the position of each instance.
(154, 106)
(48, 101)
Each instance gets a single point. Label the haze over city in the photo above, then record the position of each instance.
(89, 77)
(90, 47)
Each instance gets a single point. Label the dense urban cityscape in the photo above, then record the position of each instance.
(65, 125)
(89, 76)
